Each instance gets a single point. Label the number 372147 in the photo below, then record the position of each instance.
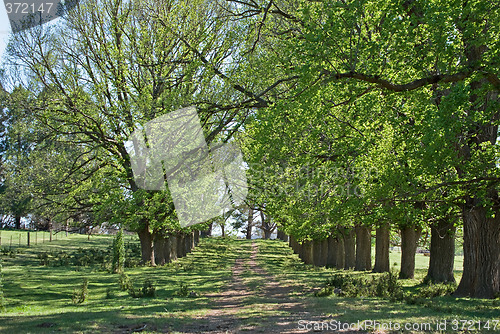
(28, 8)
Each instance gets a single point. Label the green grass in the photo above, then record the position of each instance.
(279, 260)
(39, 297)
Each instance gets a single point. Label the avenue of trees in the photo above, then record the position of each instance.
(354, 116)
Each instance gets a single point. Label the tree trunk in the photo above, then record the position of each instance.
(249, 224)
(363, 248)
(409, 243)
(181, 248)
(196, 237)
(340, 253)
(442, 252)
(382, 263)
(331, 259)
(307, 252)
(147, 246)
(267, 234)
(481, 275)
(17, 222)
(173, 247)
(318, 257)
(161, 250)
(349, 249)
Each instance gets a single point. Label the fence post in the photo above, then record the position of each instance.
(28, 238)
(36, 237)
(19, 239)
(50, 240)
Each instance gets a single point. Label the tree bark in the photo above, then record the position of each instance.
(442, 252)
(409, 243)
(249, 224)
(181, 248)
(382, 262)
(147, 246)
(331, 259)
(349, 249)
(267, 234)
(481, 275)
(307, 252)
(196, 237)
(363, 248)
(173, 247)
(17, 222)
(161, 250)
(340, 253)
(318, 256)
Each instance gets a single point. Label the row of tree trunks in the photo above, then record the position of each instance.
(158, 249)
(351, 248)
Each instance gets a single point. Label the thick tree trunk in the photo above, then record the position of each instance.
(196, 237)
(181, 248)
(349, 249)
(147, 246)
(442, 252)
(267, 234)
(307, 252)
(382, 263)
(331, 259)
(161, 250)
(409, 243)
(481, 275)
(340, 253)
(363, 248)
(173, 247)
(318, 253)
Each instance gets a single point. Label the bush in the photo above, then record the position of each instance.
(118, 253)
(80, 295)
(125, 283)
(385, 285)
(436, 290)
(184, 291)
(148, 289)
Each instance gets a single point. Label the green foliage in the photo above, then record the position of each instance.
(348, 285)
(148, 289)
(184, 291)
(81, 294)
(436, 290)
(118, 253)
(124, 282)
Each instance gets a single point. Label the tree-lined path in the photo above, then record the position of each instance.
(254, 302)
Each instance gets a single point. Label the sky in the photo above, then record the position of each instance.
(4, 29)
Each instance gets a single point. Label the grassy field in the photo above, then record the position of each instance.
(39, 297)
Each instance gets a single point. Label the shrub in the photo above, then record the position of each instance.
(109, 293)
(118, 252)
(148, 289)
(125, 283)
(435, 290)
(80, 295)
(184, 291)
(386, 285)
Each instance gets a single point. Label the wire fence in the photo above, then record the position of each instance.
(11, 239)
